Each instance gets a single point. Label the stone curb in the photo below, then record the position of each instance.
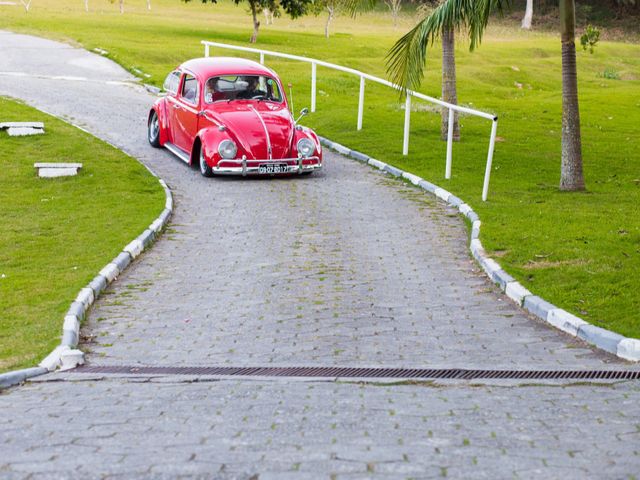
(89, 294)
(626, 348)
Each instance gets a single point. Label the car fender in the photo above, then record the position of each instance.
(304, 132)
(209, 138)
(161, 110)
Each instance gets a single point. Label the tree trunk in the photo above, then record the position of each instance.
(86, 5)
(121, 6)
(449, 93)
(329, 18)
(528, 16)
(148, 4)
(395, 10)
(571, 177)
(256, 23)
(26, 5)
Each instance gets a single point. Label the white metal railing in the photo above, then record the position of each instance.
(407, 109)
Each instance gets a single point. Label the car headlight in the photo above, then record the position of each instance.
(305, 147)
(227, 149)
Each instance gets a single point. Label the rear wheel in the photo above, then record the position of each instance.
(205, 169)
(154, 130)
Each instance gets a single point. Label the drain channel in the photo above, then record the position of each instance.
(346, 372)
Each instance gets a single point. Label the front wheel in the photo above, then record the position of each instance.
(205, 169)
(154, 130)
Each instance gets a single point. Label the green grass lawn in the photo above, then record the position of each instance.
(56, 234)
(581, 251)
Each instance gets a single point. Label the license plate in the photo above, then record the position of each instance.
(268, 168)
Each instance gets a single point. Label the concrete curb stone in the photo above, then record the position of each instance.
(396, 172)
(565, 321)
(122, 261)
(599, 336)
(377, 163)
(414, 179)
(502, 278)
(538, 306)
(98, 284)
(361, 157)
(18, 376)
(625, 348)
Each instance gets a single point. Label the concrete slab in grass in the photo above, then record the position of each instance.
(565, 321)
(600, 337)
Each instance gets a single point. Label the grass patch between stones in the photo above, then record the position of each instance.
(56, 234)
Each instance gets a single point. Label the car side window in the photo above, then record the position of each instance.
(171, 82)
(190, 89)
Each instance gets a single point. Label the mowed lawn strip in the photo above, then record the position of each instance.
(56, 234)
(580, 251)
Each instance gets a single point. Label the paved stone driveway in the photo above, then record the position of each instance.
(346, 268)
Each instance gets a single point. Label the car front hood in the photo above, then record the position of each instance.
(243, 119)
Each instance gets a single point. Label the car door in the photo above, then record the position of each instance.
(185, 112)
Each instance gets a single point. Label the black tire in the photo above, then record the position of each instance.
(154, 130)
(205, 169)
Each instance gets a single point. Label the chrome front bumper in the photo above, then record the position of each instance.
(246, 167)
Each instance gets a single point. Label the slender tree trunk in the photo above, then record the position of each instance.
(86, 5)
(571, 177)
(148, 4)
(121, 6)
(256, 23)
(528, 16)
(449, 92)
(329, 18)
(26, 5)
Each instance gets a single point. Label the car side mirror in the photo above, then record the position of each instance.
(303, 112)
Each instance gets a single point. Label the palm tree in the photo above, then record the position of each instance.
(406, 59)
(571, 177)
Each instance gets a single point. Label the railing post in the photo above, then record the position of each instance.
(407, 124)
(361, 103)
(487, 172)
(313, 87)
(206, 49)
(447, 173)
(261, 58)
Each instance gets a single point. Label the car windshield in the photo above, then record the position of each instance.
(242, 87)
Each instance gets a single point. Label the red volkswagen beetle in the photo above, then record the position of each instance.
(230, 116)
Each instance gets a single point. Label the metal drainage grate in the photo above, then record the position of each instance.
(346, 372)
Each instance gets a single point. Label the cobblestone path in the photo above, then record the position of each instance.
(345, 268)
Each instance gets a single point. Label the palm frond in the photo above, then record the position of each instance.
(406, 59)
